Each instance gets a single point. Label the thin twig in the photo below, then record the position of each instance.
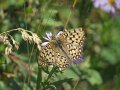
(75, 85)
(73, 6)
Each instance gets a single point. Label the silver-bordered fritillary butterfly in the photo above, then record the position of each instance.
(62, 49)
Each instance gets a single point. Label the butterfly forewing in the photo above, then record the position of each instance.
(73, 40)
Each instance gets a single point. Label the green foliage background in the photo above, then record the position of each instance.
(100, 69)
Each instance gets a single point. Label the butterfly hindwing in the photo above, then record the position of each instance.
(61, 59)
(51, 55)
(47, 55)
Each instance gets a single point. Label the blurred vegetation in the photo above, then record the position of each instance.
(100, 69)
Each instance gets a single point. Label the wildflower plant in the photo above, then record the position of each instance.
(109, 6)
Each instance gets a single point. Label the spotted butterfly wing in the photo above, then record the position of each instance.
(50, 55)
(47, 55)
(61, 60)
(72, 42)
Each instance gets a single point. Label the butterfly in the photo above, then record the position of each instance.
(63, 49)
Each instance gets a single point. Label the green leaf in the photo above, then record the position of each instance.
(51, 22)
(57, 83)
(68, 73)
(109, 55)
(3, 86)
(93, 77)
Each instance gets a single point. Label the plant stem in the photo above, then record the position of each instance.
(39, 79)
(73, 6)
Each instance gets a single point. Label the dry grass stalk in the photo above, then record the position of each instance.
(5, 41)
(29, 36)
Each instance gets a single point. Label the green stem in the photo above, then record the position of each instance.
(51, 73)
(39, 79)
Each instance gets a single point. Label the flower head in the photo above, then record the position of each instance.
(109, 6)
(59, 34)
(50, 37)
